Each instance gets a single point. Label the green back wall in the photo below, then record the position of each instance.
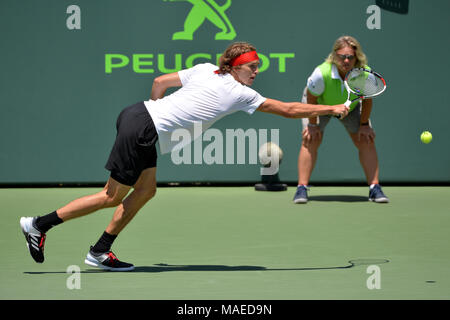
(58, 104)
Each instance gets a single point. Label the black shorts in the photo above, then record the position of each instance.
(134, 149)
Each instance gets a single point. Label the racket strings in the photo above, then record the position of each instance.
(364, 83)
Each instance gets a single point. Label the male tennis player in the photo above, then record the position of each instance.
(207, 94)
(326, 86)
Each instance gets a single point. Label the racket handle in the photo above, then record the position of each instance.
(347, 104)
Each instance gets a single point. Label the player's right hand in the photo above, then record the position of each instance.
(340, 111)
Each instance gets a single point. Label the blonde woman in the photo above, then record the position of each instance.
(326, 86)
(206, 94)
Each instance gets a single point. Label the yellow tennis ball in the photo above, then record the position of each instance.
(426, 137)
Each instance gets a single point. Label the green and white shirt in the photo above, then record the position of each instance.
(327, 85)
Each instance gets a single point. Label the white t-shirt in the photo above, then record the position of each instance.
(204, 97)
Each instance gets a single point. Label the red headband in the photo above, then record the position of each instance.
(244, 58)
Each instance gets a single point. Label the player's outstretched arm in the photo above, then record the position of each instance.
(162, 83)
(301, 110)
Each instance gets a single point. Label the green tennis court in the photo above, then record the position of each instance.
(235, 243)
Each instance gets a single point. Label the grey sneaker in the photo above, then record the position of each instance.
(377, 195)
(301, 195)
(107, 261)
(35, 239)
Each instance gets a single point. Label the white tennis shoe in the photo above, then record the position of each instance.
(107, 261)
(35, 239)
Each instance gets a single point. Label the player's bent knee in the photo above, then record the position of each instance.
(111, 201)
(146, 194)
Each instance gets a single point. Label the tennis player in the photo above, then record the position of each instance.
(207, 94)
(326, 86)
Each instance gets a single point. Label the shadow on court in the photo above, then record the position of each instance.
(338, 198)
(162, 267)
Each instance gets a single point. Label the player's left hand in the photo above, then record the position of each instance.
(366, 134)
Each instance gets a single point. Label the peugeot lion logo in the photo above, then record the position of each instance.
(206, 10)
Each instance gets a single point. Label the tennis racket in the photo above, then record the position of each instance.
(364, 84)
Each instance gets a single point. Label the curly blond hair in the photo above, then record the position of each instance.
(348, 41)
(234, 50)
